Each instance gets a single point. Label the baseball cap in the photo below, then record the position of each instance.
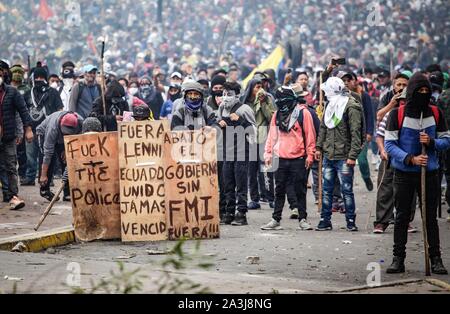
(69, 124)
(176, 74)
(384, 73)
(89, 68)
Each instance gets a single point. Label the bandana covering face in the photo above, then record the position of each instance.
(334, 89)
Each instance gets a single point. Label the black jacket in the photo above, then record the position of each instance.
(114, 91)
(48, 101)
(12, 102)
(155, 101)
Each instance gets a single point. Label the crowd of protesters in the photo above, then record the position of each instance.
(381, 93)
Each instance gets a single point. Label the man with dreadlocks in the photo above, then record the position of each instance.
(291, 142)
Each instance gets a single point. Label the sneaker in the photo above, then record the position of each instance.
(304, 225)
(379, 229)
(240, 220)
(254, 205)
(369, 184)
(412, 229)
(67, 198)
(272, 225)
(16, 203)
(264, 200)
(272, 205)
(324, 225)
(335, 210)
(294, 214)
(351, 226)
(48, 195)
(228, 219)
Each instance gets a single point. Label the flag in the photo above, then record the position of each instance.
(274, 61)
(45, 12)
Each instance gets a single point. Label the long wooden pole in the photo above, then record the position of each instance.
(103, 84)
(424, 207)
(320, 174)
(49, 207)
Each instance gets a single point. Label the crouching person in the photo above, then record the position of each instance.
(51, 134)
(408, 128)
(292, 141)
(238, 125)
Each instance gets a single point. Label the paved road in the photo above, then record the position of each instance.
(290, 261)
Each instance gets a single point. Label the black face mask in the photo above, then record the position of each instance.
(217, 93)
(422, 100)
(68, 73)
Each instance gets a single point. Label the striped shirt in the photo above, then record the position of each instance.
(382, 127)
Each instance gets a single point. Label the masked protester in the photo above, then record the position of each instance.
(291, 141)
(11, 102)
(193, 113)
(50, 134)
(18, 81)
(68, 81)
(237, 122)
(173, 95)
(216, 92)
(116, 105)
(44, 102)
(408, 128)
(340, 143)
(262, 104)
(151, 96)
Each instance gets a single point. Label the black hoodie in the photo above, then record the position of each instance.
(416, 102)
(116, 92)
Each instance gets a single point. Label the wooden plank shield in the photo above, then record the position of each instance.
(93, 169)
(141, 149)
(192, 192)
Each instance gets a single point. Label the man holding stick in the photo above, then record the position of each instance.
(408, 128)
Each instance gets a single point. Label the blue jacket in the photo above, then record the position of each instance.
(403, 143)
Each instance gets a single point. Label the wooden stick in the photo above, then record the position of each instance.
(424, 208)
(103, 84)
(49, 207)
(320, 174)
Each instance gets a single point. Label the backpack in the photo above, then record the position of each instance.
(316, 122)
(82, 86)
(401, 115)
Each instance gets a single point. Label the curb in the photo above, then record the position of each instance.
(40, 241)
(389, 284)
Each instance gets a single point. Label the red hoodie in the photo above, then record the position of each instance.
(292, 145)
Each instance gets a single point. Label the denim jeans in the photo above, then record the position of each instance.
(339, 168)
(32, 159)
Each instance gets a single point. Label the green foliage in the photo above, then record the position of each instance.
(171, 280)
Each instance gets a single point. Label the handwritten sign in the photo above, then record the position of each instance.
(94, 185)
(141, 148)
(192, 202)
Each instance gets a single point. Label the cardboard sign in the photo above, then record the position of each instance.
(94, 185)
(141, 148)
(192, 193)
